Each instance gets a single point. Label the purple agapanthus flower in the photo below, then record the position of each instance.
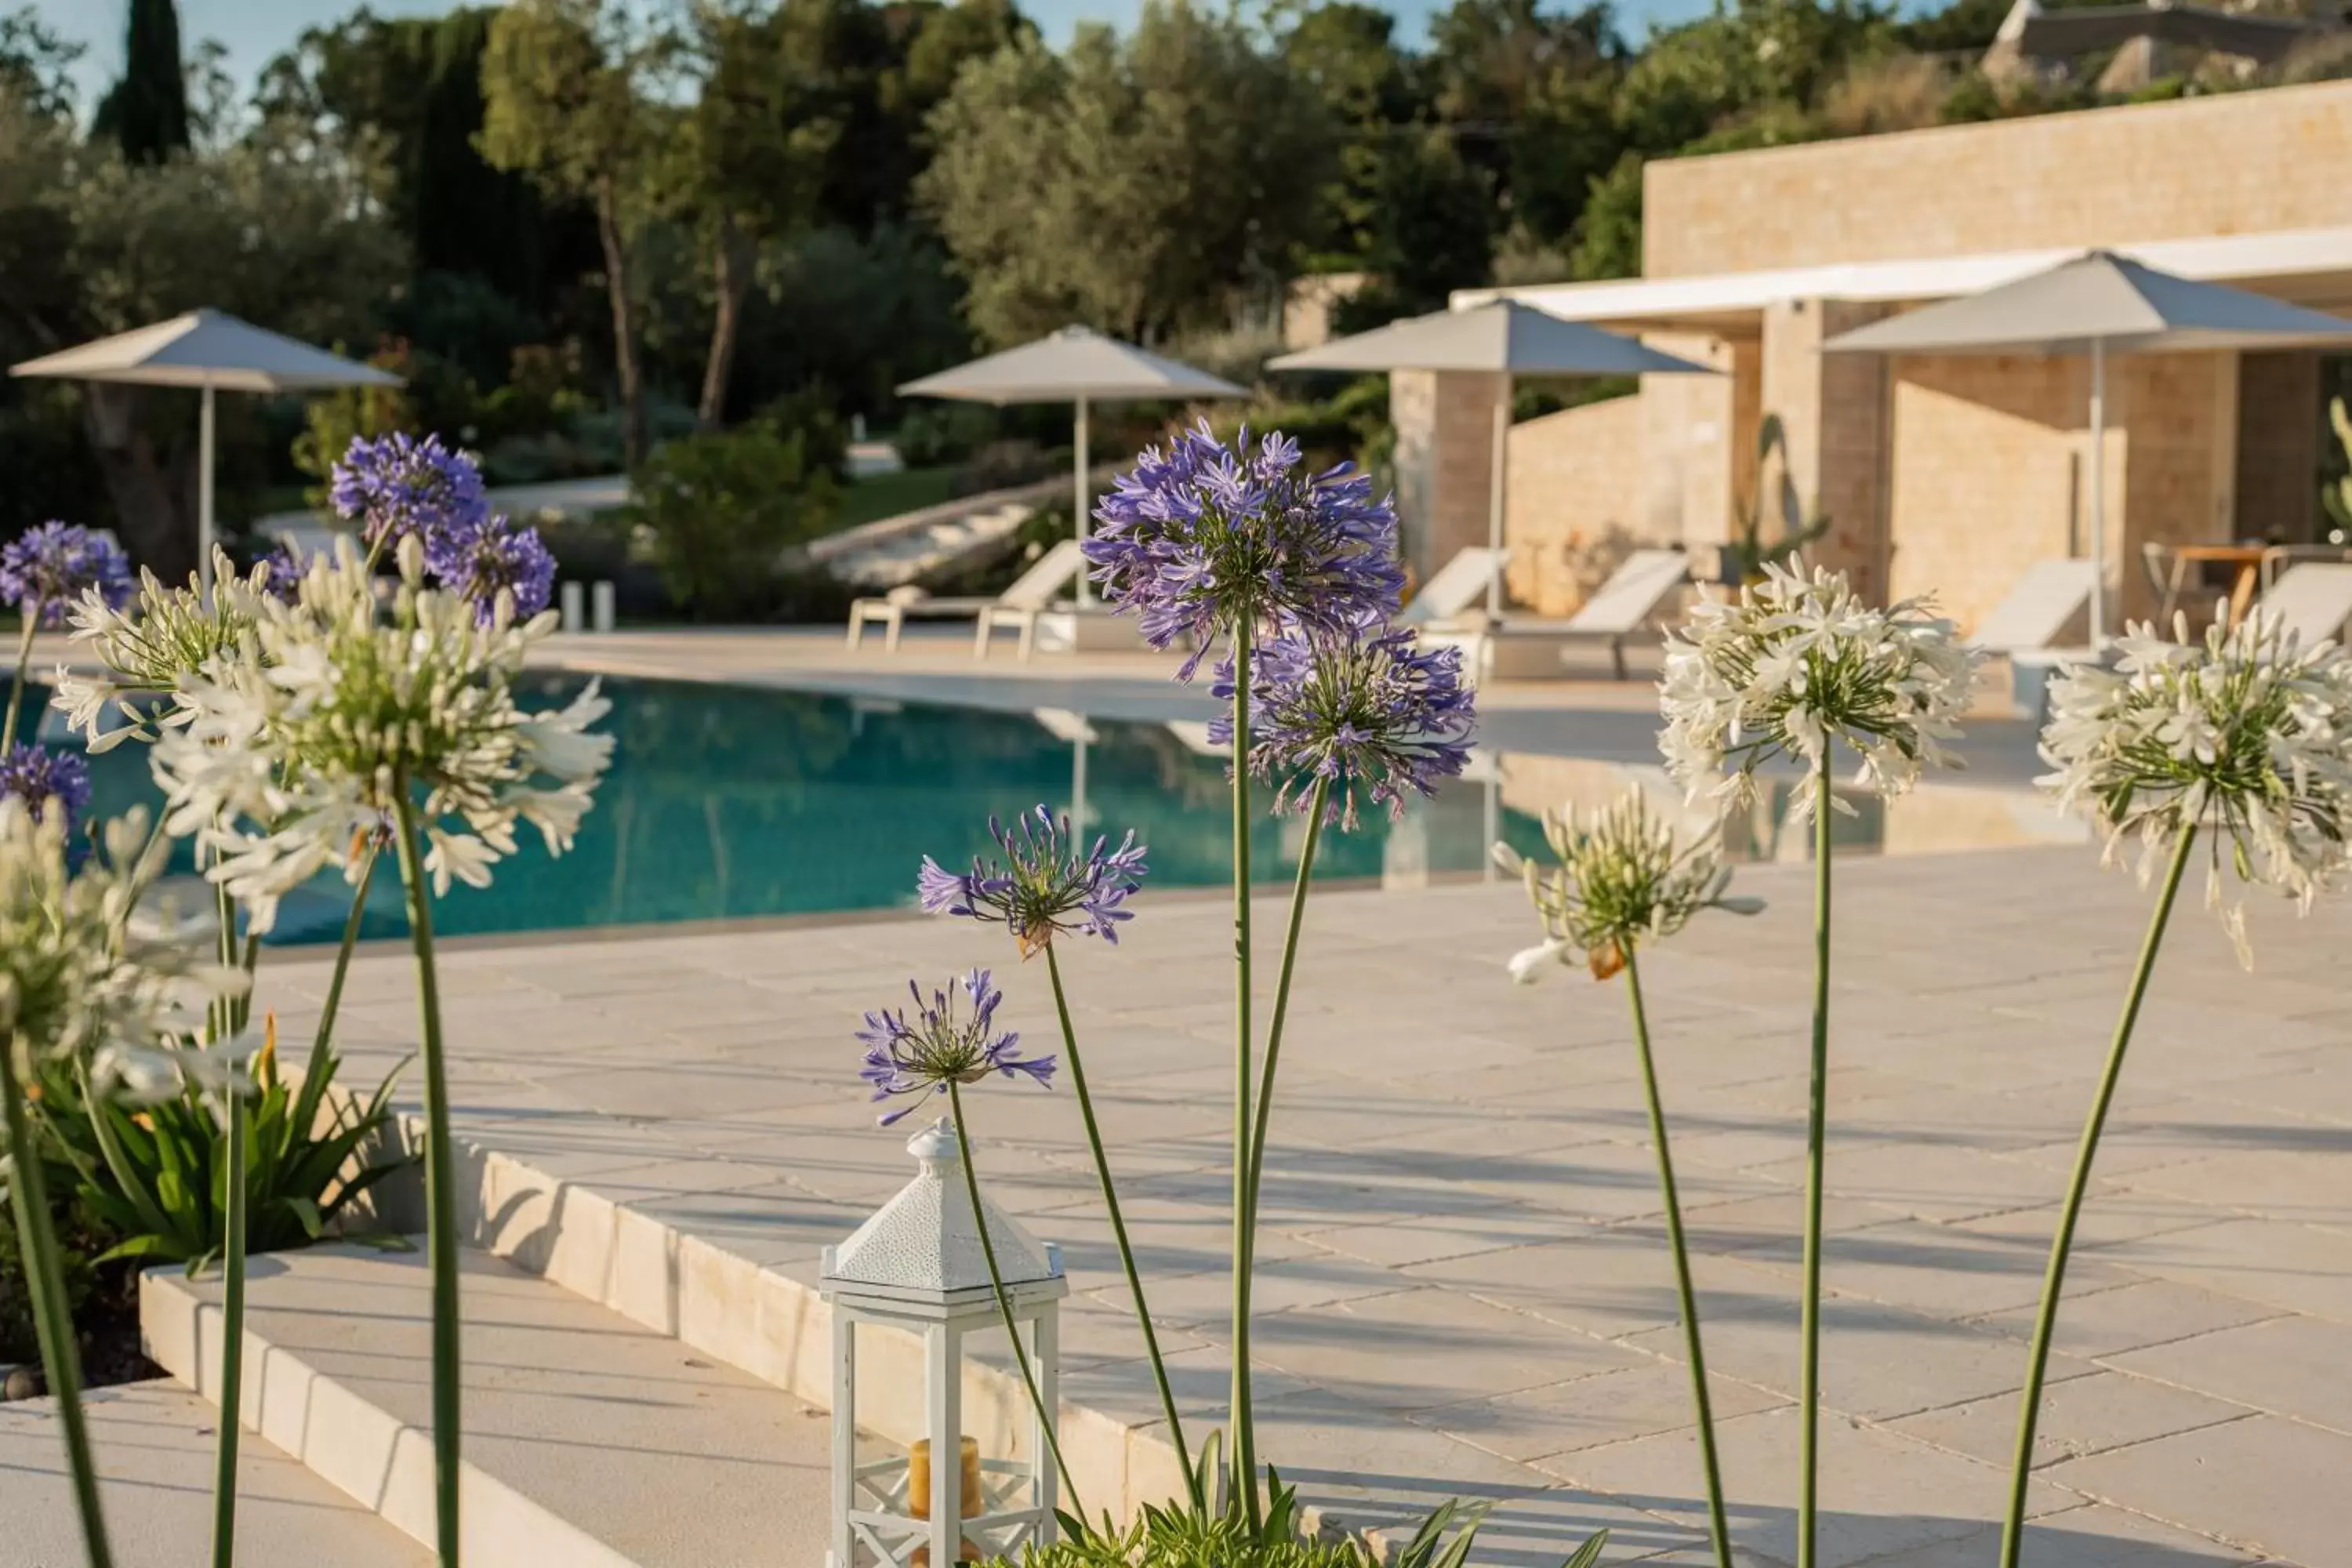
(397, 485)
(1366, 710)
(46, 781)
(1203, 537)
(51, 564)
(920, 1050)
(476, 561)
(287, 567)
(1048, 881)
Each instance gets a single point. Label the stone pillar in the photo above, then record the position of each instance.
(1696, 426)
(1445, 462)
(2280, 423)
(1835, 410)
(2176, 418)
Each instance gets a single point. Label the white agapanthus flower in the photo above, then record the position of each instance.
(299, 744)
(147, 646)
(2247, 734)
(1798, 666)
(1622, 878)
(75, 985)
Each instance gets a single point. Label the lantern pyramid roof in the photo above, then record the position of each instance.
(923, 1243)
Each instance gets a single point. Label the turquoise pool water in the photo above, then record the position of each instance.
(731, 802)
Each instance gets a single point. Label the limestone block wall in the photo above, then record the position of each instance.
(2232, 163)
(1574, 491)
(1833, 410)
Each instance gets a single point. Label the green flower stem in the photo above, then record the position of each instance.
(440, 1188)
(1047, 1419)
(2012, 1534)
(52, 1319)
(1245, 1449)
(314, 1074)
(232, 1342)
(1816, 1137)
(1314, 804)
(17, 686)
(1700, 1401)
(1118, 1229)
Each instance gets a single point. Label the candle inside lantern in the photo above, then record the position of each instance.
(919, 1493)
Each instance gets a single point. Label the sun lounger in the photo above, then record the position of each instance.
(1626, 604)
(2314, 599)
(1031, 594)
(1454, 588)
(2047, 605)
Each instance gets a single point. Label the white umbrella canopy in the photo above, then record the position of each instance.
(1076, 366)
(2098, 304)
(1501, 337)
(211, 352)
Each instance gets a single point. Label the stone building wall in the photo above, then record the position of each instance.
(2231, 164)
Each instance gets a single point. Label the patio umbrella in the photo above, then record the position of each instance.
(2098, 304)
(211, 351)
(1076, 366)
(1501, 337)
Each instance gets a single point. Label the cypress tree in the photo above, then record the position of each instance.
(147, 111)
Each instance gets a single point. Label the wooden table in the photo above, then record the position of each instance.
(2246, 558)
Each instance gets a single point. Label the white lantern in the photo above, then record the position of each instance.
(917, 1266)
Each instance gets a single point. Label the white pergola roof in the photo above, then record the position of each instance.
(2312, 266)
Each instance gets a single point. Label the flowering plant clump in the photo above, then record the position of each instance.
(2247, 733)
(921, 1051)
(1202, 537)
(1363, 709)
(147, 646)
(52, 564)
(46, 783)
(479, 560)
(1622, 878)
(1797, 664)
(395, 486)
(1047, 882)
(76, 984)
(285, 567)
(305, 742)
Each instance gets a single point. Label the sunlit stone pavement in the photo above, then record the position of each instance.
(1464, 1288)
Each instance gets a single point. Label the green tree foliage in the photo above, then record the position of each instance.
(1142, 185)
(36, 64)
(570, 89)
(750, 163)
(721, 511)
(146, 112)
(106, 245)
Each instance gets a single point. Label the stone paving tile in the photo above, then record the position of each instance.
(2091, 1536)
(1881, 1492)
(1965, 1047)
(2145, 1312)
(2292, 1366)
(1639, 1400)
(2082, 1415)
(2263, 1483)
(2301, 1268)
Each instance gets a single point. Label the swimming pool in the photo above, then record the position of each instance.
(729, 801)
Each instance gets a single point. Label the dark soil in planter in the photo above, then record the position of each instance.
(105, 1317)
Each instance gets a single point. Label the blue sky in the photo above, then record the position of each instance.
(255, 30)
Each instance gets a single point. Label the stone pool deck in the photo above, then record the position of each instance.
(1464, 1288)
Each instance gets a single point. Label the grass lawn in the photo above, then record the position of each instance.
(886, 495)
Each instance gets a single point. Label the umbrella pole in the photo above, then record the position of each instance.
(205, 492)
(2098, 492)
(1495, 497)
(1079, 524)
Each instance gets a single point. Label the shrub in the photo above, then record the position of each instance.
(1180, 1538)
(152, 1177)
(718, 512)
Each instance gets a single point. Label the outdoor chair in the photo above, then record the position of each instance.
(1629, 601)
(1031, 594)
(2046, 604)
(2314, 598)
(1453, 589)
